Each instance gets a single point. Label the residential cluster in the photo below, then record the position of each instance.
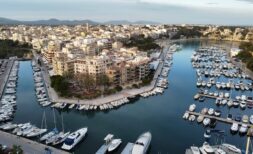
(94, 50)
(228, 33)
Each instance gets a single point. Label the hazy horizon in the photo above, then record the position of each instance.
(226, 12)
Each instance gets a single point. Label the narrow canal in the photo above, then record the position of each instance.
(161, 114)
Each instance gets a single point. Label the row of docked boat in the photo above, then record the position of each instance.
(221, 98)
(12, 79)
(54, 137)
(206, 148)
(207, 117)
(162, 81)
(40, 89)
(26, 129)
(216, 70)
(81, 107)
(8, 107)
(155, 91)
(242, 129)
(8, 101)
(225, 85)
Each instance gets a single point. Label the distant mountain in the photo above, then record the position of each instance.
(6, 21)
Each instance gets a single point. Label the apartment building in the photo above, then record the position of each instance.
(51, 49)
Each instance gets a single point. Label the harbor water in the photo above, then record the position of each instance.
(160, 114)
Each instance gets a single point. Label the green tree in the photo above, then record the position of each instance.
(60, 84)
(16, 149)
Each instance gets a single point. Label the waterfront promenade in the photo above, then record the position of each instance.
(28, 146)
(102, 100)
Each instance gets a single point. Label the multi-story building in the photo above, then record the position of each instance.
(51, 49)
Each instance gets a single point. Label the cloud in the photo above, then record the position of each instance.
(204, 3)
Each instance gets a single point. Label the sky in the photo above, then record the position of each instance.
(223, 12)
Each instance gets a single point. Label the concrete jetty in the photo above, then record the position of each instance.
(4, 77)
(224, 120)
(28, 146)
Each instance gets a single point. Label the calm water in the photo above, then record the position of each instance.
(161, 114)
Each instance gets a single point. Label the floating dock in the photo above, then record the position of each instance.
(213, 97)
(102, 149)
(128, 148)
(224, 120)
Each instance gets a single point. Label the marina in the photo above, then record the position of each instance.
(141, 114)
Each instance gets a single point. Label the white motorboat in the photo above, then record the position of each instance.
(206, 149)
(217, 113)
(211, 111)
(28, 130)
(192, 107)
(72, 106)
(206, 121)
(243, 104)
(10, 126)
(192, 118)
(74, 138)
(251, 119)
(231, 148)
(142, 144)
(234, 127)
(230, 103)
(186, 115)
(195, 150)
(243, 129)
(114, 144)
(224, 102)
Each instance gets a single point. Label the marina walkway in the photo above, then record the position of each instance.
(28, 146)
(128, 148)
(4, 77)
(224, 120)
(213, 97)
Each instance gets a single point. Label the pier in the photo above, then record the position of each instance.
(28, 146)
(102, 149)
(212, 97)
(4, 77)
(128, 148)
(224, 120)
